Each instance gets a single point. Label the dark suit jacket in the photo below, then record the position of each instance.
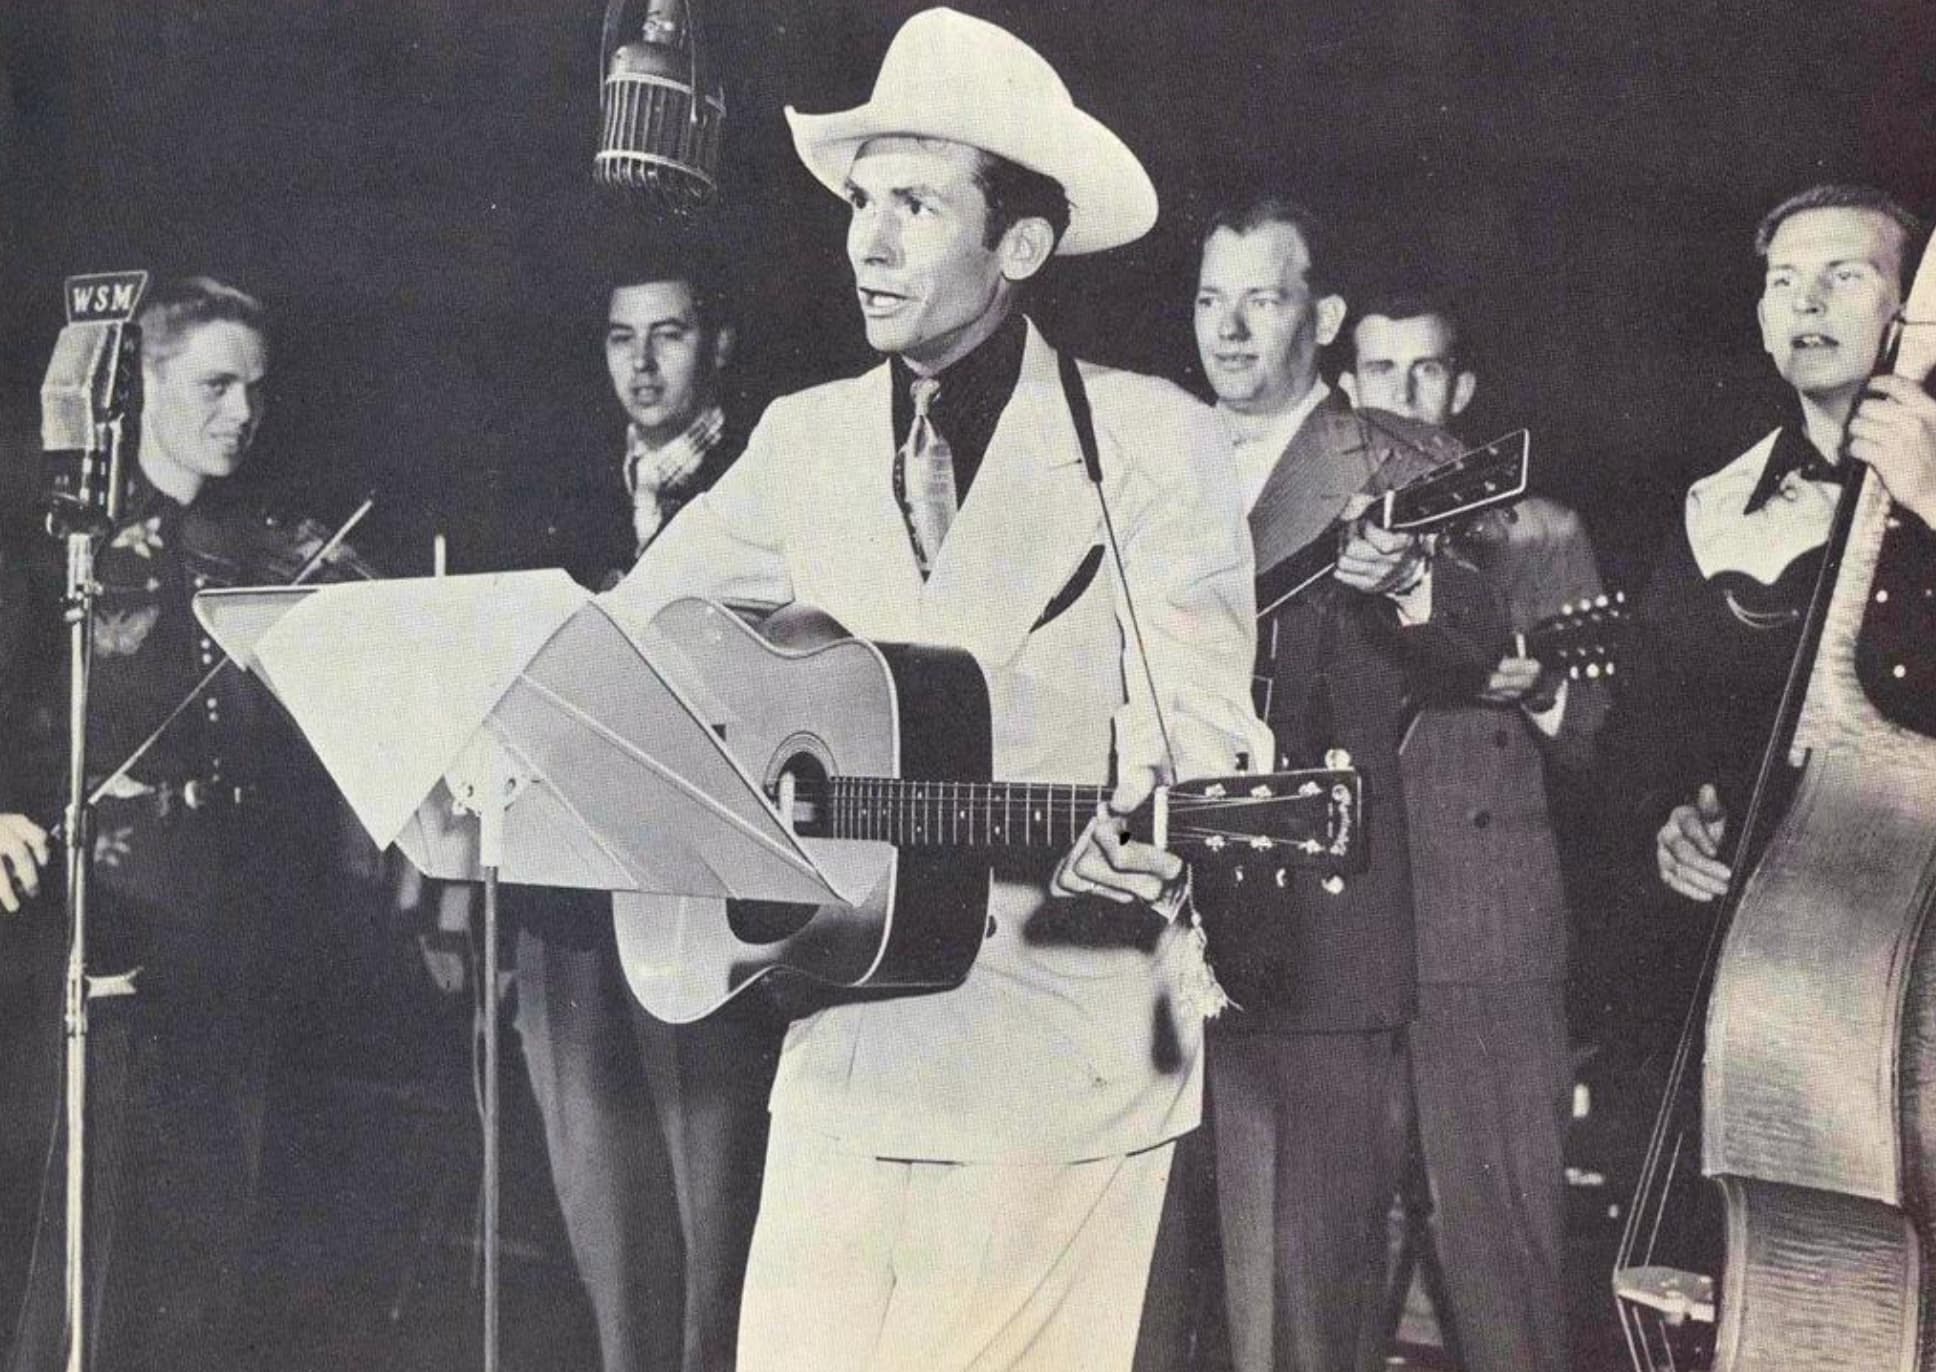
(581, 520)
(1491, 906)
(1343, 673)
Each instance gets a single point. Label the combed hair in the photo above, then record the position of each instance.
(1415, 303)
(186, 303)
(1843, 195)
(1275, 207)
(641, 256)
(1015, 193)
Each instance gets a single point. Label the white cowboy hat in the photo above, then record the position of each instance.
(947, 75)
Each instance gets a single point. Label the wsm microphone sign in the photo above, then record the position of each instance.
(104, 297)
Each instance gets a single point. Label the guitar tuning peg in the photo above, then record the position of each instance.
(1283, 878)
(1333, 884)
(1337, 759)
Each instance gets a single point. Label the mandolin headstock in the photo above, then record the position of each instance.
(1584, 640)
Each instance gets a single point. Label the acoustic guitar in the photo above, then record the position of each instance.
(879, 757)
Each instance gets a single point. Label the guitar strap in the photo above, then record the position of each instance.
(1077, 397)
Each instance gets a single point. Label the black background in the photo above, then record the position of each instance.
(407, 183)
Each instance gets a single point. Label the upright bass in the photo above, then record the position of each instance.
(1819, 1079)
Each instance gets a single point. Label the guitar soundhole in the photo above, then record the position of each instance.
(810, 816)
(767, 921)
(771, 921)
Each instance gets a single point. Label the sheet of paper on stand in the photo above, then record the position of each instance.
(623, 782)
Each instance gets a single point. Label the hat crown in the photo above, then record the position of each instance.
(949, 76)
(945, 51)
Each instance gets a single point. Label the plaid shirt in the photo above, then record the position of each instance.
(660, 479)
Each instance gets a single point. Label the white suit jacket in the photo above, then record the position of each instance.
(1048, 1053)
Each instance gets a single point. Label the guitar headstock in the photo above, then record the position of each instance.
(1584, 640)
(1261, 825)
(1491, 474)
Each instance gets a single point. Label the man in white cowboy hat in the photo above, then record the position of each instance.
(973, 1179)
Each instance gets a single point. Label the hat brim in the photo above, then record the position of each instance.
(1111, 198)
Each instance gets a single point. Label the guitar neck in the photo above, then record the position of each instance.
(1486, 476)
(913, 813)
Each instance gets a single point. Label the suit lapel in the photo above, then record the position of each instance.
(1029, 520)
(851, 518)
(1326, 462)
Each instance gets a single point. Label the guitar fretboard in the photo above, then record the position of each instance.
(969, 814)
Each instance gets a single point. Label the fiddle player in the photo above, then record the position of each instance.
(1727, 600)
(1304, 1066)
(974, 1178)
(193, 858)
(1490, 1082)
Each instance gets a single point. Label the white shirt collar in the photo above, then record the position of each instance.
(1257, 457)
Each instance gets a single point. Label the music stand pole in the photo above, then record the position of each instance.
(491, 800)
(79, 613)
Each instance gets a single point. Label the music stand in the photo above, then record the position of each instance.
(505, 727)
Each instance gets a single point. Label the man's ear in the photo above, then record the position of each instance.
(1348, 383)
(1761, 321)
(1026, 247)
(1331, 317)
(1462, 390)
(725, 338)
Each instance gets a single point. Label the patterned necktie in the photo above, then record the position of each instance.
(929, 476)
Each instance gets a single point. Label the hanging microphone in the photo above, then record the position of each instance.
(91, 399)
(662, 115)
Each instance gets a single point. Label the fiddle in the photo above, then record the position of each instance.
(233, 546)
(239, 547)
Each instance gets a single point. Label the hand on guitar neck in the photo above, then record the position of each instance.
(1379, 561)
(1106, 862)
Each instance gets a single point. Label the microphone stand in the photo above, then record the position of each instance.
(82, 527)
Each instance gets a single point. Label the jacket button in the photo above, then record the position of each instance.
(1481, 818)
